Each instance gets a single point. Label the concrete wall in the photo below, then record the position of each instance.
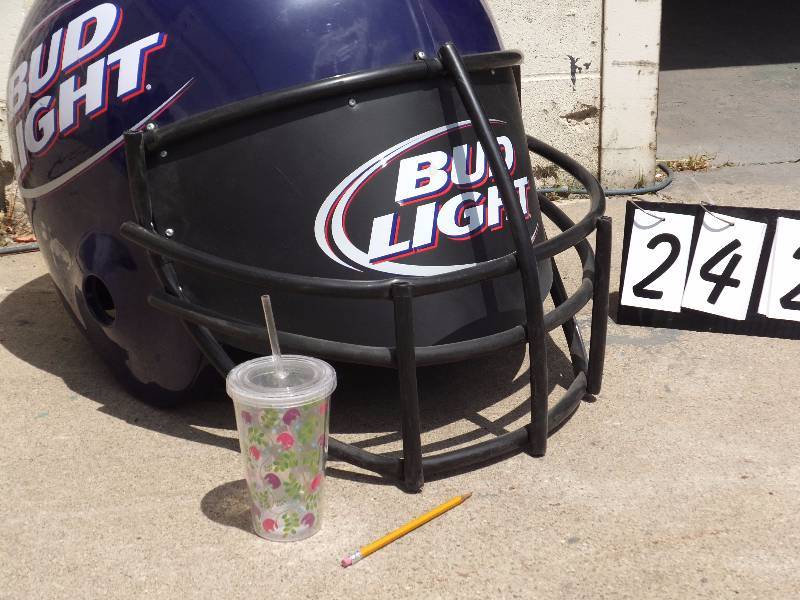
(631, 43)
(12, 13)
(590, 79)
(562, 42)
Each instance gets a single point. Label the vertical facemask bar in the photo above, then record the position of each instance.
(526, 260)
(406, 361)
(136, 162)
(602, 277)
(577, 351)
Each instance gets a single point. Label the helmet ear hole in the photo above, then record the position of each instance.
(99, 300)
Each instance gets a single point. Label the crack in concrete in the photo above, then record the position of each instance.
(733, 165)
(774, 162)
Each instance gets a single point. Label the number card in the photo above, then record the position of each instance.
(726, 269)
(781, 297)
(724, 266)
(658, 261)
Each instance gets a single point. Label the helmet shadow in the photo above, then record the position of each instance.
(35, 328)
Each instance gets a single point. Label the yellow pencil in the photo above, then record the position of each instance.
(400, 532)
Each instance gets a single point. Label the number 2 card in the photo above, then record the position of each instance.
(780, 298)
(658, 258)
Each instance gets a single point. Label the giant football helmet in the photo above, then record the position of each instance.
(362, 161)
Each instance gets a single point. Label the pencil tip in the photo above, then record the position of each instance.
(467, 496)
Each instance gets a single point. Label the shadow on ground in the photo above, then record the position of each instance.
(229, 505)
(700, 35)
(35, 328)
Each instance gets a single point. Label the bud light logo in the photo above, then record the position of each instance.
(71, 76)
(415, 200)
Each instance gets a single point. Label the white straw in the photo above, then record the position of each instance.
(272, 335)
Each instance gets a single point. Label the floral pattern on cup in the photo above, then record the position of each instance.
(284, 455)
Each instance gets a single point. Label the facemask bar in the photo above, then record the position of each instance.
(405, 356)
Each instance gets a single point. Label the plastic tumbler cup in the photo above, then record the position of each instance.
(283, 433)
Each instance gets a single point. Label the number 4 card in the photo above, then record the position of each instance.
(724, 266)
(658, 258)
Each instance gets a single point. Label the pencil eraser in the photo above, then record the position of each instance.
(346, 562)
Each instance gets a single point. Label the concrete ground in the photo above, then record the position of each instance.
(739, 115)
(730, 81)
(681, 480)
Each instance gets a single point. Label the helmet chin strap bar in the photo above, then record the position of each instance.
(405, 356)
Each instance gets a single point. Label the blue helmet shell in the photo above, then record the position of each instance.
(177, 59)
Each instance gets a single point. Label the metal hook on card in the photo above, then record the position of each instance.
(716, 216)
(708, 202)
(647, 212)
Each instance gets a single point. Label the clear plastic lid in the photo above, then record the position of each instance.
(257, 383)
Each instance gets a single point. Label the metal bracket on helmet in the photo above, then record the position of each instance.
(405, 356)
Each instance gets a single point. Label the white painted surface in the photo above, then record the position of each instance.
(561, 95)
(12, 14)
(630, 91)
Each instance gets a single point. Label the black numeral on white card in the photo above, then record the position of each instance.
(790, 301)
(724, 279)
(657, 260)
(780, 297)
(724, 266)
(640, 289)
